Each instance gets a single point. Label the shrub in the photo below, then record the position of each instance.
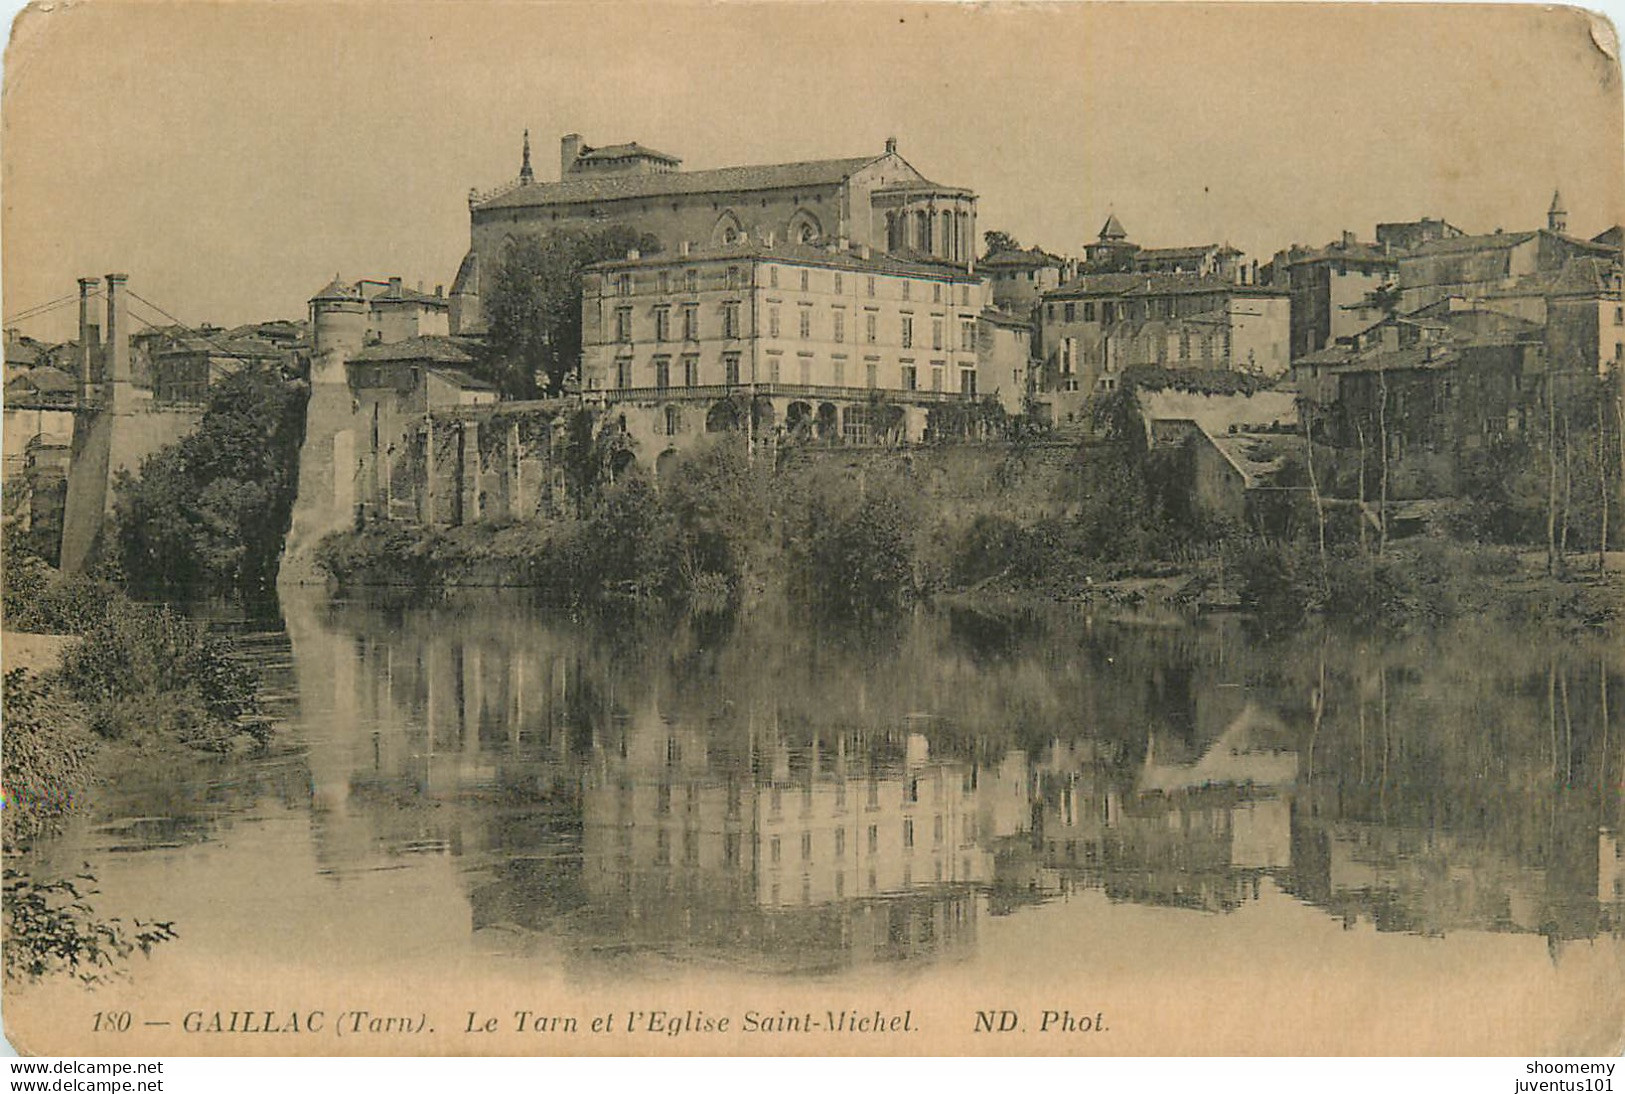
(52, 929)
(45, 757)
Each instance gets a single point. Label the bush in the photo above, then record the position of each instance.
(855, 557)
(52, 929)
(45, 757)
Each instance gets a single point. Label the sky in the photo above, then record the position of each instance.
(231, 157)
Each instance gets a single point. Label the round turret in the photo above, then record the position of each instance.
(338, 319)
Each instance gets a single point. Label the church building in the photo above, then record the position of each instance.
(878, 201)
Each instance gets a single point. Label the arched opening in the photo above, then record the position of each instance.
(666, 464)
(762, 414)
(728, 229)
(723, 417)
(922, 222)
(950, 239)
(798, 419)
(620, 462)
(805, 228)
(829, 422)
(894, 232)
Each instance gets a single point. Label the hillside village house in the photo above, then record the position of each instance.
(1094, 328)
(819, 337)
(1333, 289)
(875, 201)
(1019, 278)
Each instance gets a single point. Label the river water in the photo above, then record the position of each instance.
(1225, 842)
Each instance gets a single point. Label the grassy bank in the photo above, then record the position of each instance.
(127, 679)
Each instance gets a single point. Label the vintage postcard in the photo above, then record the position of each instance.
(813, 528)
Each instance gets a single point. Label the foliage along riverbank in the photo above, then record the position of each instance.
(865, 532)
(132, 680)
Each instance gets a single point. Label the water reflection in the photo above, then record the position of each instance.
(775, 797)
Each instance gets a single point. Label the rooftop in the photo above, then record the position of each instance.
(588, 187)
(792, 254)
(1032, 257)
(431, 348)
(632, 150)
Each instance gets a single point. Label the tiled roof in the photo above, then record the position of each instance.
(1005, 319)
(1184, 252)
(336, 290)
(1113, 228)
(463, 379)
(587, 187)
(1462, 244)
(791, 254)
(433, 348)
(1342, 252)
(625, 151)
(1107, 284)
(46, 380)
(1185, 284)
(408, 296)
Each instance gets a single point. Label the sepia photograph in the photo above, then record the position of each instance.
(813, 529)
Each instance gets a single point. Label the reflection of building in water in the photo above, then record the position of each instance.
(826, 842)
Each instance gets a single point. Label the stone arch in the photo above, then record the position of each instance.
(922, 230)
(762, 414)
(805, 227)
(723, 417)
(728, 229)
(950, 238)
(894, 232)
(829, 422)
(666, 464)
(798, 417)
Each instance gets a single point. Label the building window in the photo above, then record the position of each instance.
(936, 334)
(911, 378)
(908, 832)
(871, 286)
(623, 373)
(1068, 313)
(665, 282)
(806, 280)
(805, 322)
(1619, 316)
(874, 842)
(907, 285)
(936, 377)
(773, 321)
(967, 381)
(730, 319)
(871, 374)
(733, 277)
(839, 319)
(662, 324)
(1088, 311)
(967, 335)
(936, 292)
(730, 369)
(623, 284)
(691, 322)
(840, 373)
(806, 846)
(870, 322)
(773, 369)
(623, 324)
(908, 332)
(674, 422)
(773, 850)
(840, 843)
(691, 280)
(838, 285)
(806, 371)
(964, 296)
(1106, 311)
(662, 372)
(772, 277)
(691, 371)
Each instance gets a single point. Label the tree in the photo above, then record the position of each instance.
(210, 511)
(995, 241)
(534, 305)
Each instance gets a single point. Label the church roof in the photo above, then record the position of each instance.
(1557, 203)
(625, 151)
(1113, 228)
(588, 187)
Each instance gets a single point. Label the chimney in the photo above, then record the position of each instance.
(439, 291)
(395, 287)
(569, 152)
(768, 238)
(891, 146)
(117, 370)
(863, 251)
(89, 335)
(1348, 238)
(682, 248)
(420, 285)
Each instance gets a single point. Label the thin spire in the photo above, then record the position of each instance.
(526, 175)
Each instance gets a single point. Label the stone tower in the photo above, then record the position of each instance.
(1557, 217)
